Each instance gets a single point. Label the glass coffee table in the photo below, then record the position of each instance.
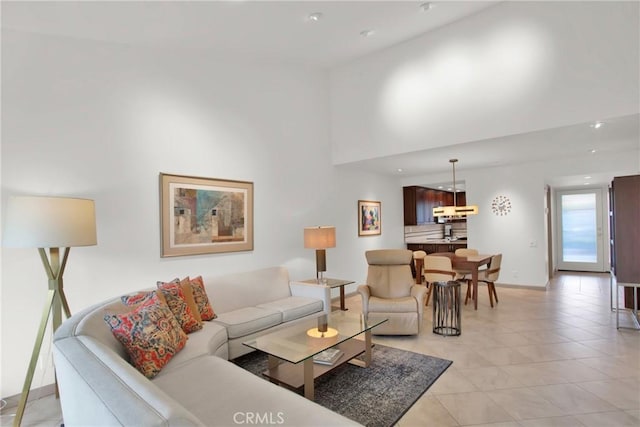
(291, 350)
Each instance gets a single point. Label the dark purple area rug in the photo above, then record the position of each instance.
(377, 396)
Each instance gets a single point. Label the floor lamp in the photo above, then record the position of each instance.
(320, 238)
(57, 224)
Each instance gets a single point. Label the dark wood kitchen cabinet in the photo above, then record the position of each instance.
(430, 203)
(431, 248)
(446, 198)
(414, 209)
(461, 198)
(418, 205)
(420, 201)
(625, 232)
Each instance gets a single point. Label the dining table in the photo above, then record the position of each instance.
(471, 263)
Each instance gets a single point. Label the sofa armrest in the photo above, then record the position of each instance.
(312, 290)
(98, 387)
(365, 293)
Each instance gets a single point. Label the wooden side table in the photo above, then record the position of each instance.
(334, 283)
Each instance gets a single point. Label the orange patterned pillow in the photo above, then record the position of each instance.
(202, 300)
(185, 284)
(150, 333)
(177, 302)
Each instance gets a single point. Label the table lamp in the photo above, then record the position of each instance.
(56, 223)
(320, 238)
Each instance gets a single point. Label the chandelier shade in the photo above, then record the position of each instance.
(454, 211)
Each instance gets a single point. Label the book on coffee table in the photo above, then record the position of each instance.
(328, 357)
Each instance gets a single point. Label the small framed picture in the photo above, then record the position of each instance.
(369, 218)
(205, 215)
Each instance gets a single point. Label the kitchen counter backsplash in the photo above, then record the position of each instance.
(418, 233)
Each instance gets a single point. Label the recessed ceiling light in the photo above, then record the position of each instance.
(597, 125)
(440, 187)
(425, 7)
(367, 33)
(449, 189)
(585, 183)
(399, 169)
(314, 17)
(593, 150)
(587, 177)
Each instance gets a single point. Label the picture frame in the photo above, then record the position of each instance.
(369, 218)
(205, 215)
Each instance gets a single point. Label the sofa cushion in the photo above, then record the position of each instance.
(245, 321)
(247, 289)
(205, 342)
(150, 334)
(294, 307)
(397, 305)
(222, 394)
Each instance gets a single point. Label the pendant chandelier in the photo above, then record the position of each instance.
(455, 211)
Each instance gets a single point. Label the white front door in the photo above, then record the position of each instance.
(580, 233)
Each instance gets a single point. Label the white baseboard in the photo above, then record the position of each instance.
(35, 394)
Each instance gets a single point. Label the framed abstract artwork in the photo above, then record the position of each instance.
(205, 215)
(369, 218)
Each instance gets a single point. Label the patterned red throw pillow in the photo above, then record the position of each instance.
(177, 302)
(202, 300)
(150, 333)
(135, 299)
(139, 297)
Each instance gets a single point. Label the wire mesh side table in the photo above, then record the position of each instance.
(446, 308)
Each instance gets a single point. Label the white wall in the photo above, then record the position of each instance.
(102, 121)
(513, 68)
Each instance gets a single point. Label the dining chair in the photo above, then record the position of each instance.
(437, 269)
(418, 262)
(488, 276)
(464, 252)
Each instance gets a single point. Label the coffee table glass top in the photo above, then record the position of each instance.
(308, 338)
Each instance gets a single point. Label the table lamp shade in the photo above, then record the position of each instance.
(319, 237)
(49, 222)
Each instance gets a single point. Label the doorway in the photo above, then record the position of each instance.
(580, 232)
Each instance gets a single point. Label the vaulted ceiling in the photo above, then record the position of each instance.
(285, 31)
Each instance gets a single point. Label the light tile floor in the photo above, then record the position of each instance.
(538, 359)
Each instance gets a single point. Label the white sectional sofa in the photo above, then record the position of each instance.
(199, 386)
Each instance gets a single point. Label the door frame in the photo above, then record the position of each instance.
(602, 264)
(551, 267)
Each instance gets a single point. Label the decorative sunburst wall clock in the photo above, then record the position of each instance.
(501, 205)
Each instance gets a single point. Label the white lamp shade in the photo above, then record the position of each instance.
(319, 237)
(49, 222)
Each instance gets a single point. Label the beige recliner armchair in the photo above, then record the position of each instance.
(391, 293)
